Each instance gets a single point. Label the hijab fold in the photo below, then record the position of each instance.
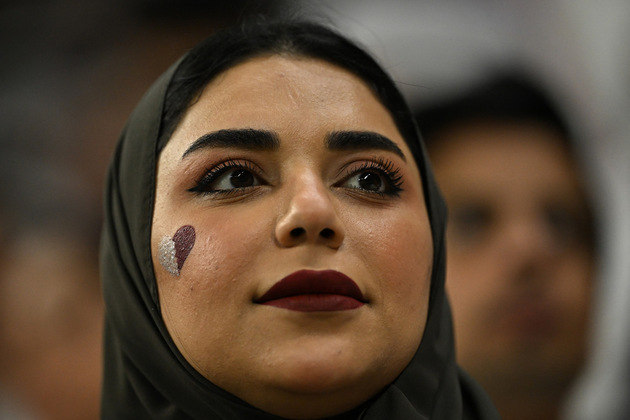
(145, 375)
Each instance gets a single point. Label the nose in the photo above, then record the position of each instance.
(529, 248)
(529, 237)
(310, 217)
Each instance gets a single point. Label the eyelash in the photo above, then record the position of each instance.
(384, 167)
(202, 186)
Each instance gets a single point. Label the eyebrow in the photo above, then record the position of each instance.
(245, 138)
(263, 140)
(362, 140)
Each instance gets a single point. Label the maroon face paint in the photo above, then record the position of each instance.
(184, 240)
(172, 252)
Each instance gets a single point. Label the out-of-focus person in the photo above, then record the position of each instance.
(50, 302)
(51, 325)
(521, 242)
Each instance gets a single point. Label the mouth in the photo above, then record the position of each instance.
(314, 291)
(531, 319)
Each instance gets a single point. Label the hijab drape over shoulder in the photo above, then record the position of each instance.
(145, 375)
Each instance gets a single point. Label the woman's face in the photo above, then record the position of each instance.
(290, 239)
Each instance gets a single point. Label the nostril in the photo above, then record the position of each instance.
(327, 233)
(297, 232)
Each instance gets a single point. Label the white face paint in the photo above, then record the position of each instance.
(166, 255)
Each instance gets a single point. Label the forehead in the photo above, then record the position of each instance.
(504, 159)
(292, 96)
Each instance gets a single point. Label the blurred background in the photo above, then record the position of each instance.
(72, 72)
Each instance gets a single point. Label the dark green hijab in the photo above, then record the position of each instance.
(145, 375)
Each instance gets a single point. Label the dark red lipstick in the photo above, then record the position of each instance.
(313, 291)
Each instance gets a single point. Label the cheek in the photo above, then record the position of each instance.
(206, 298)
(412, 269)
(476, 276)
(399, 252)
(221, 256)
(574, 284)
(173, 251)
(469, 280)
(219, 277)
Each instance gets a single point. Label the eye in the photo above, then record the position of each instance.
(374, 177)
(470, 223)
(234, 178)
(565, 225)
(368, 180)
(228, 177)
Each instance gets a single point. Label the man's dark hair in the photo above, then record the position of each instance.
(508, 97)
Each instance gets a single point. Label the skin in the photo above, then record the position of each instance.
(293, 364)
(51, 325)
(520, 277)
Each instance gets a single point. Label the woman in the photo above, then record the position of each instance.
(273, 242)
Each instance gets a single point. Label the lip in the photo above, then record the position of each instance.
(526, 318)
(314, 291)
(532, 319)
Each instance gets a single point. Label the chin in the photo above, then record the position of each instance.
(318, 388)
(318, 377)
(323, 368)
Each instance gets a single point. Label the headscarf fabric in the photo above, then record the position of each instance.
(146, 376)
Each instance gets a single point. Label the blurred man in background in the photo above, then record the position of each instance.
(520, 243)
(50, 301)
